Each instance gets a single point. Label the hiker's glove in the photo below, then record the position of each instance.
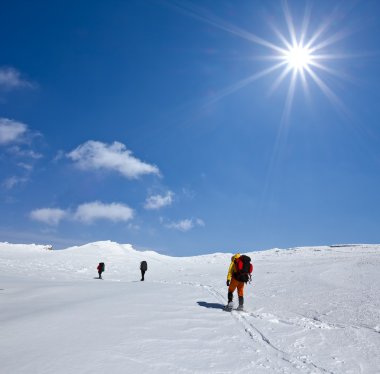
(228, 283)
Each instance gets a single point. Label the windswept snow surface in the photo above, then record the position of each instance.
(310, 310)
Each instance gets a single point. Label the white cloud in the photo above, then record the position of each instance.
(11, 131)
(185, 225)
(10, 78)
(200, 222)
(131, 226)
(86, 213)
(59, 156)
(159, 201)
(96, 210)
(16, 138)
(28, 153)
(94, 155)
(11, 182)
(50, 216)
(25, 166)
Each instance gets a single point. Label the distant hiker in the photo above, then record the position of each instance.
(143, 268)
(239, 273)
(100, 269)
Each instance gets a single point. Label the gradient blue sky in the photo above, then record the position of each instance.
(131, 121)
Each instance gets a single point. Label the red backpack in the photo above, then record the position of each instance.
(101, 267)
(243, 268)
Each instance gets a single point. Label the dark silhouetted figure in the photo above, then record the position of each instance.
(143, 268)
(100, 269)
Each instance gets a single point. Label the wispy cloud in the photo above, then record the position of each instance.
(94, 155)
(200, 222)
(133, 227)
(90, 212)
(10, 78)
(185, 224)
(13, 181)
(25, 166)
(59, 156)
(50, 216)
(28, 153)
(11, 131)
(155, 202)
(17, 140)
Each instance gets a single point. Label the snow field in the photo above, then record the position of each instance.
(310, 310)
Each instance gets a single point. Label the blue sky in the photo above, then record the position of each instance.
(171, 126)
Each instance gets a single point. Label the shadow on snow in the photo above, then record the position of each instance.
(210, 305)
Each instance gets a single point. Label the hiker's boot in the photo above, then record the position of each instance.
(230, 304)
(230, 297)
(241, 303)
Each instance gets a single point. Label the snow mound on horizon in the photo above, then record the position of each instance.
(25, 247)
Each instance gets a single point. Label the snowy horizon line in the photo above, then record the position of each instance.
(144, 249)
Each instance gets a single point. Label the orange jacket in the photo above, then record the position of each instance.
(232, 269)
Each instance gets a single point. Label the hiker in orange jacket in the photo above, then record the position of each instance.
(238, 274)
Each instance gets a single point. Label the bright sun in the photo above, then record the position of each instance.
(303, 54)
(298, 57)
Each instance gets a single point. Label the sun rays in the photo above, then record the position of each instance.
(296, 58)
(297, 54)
(305, 56)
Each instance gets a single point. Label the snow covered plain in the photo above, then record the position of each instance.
(310, 310)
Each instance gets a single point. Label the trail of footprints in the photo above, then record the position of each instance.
(258, 336)
(303, 365)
